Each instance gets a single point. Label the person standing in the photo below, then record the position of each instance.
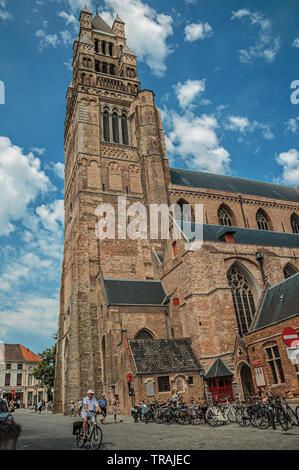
(72, 409)
(40, 406)
(47, 406)
(116, 409)
(103, 406)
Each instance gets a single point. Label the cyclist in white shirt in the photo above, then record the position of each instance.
(90, 404)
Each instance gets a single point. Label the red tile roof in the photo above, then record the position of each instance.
(17, 353)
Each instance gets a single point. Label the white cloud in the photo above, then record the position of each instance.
(59, 169)
(196, 31)
(189, 90)
(51, 214)
(290, 164)
(69, 18)
(38, 150)
(46, 40)
(295, 43)
(147, 31)
(237, 123)
(21, 181)
(266, 45)
(67, 37)
(292, 125)
(194, 139)
(243, 125)
(4, 14)
(190, 2)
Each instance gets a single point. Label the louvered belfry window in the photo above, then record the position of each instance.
(289, 270)
(115, 128)
(242, 298)
(262, 220)
(295, 223)
(224, 216)
(106, 126)
(124, 126)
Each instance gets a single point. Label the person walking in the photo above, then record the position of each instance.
(72, 409)
(116, 409)
(47, 406)
(40, 406)
(103, 406)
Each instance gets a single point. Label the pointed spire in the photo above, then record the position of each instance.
(118, 19)
(86, 10)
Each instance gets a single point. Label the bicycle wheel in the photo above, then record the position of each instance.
(283, 421)
(158, 416)
(243, 418)
(168, 418)
(96, 437)
(212, 419)
(262, 419)
(297, 413)
(79, 439)
(194, 418)
(232, 414)
(292, 416)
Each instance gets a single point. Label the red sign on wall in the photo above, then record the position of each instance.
(290, 336)
(257, 362)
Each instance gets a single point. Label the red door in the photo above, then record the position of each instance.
(221, 388)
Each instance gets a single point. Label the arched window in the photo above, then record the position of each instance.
(262, 220)
(104, 47)
(104, 68)
(115, 128)
(225, 216)
(97, 66)
(184, 213)
(112, 69)
(124, 128)
(289, 270)
(295, 223)
(144, 334)
(83, 78)
(106, 126)
(110, 48)
(242, 298)
(84, 61)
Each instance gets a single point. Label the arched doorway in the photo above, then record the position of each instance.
(246, 382)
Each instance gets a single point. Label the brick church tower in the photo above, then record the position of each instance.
(114, 146)
(159, 311)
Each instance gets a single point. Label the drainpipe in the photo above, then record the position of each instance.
(242, 210)
(167, 324)
(260, 259)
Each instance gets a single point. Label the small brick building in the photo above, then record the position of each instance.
(116, 293)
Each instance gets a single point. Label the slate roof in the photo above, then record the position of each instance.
(218, 369)
(100, 25)
(202, 179)
(163, 356)
(134, 292)
(247, 236)
(281, 302)
(17, 353)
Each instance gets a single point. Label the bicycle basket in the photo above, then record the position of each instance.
(77, 425)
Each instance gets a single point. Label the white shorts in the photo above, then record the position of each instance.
(90, 416)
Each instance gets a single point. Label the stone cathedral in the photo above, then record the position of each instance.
(143, 317)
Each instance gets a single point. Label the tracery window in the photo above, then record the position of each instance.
(106, 126)
(115, 128)
(242, 298)
(295, 223)
(262, 220)
(124, 127)
(144, 334)
(224, 216)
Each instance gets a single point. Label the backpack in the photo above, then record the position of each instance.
(77, 425)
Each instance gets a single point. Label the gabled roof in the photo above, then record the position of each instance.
(231, 184)
(134, 292)
(17, 353)
(218, 369)
(163, 356)
(119, 20)
(281, 302)
(100, 25)
(127, 50)
(245, 236)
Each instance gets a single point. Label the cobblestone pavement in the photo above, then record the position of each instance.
(47, 431)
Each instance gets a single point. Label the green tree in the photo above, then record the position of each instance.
(45, 370)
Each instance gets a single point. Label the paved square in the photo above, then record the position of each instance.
(47, 431)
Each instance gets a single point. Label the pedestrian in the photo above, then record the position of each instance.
(47, 406)
(72, 409)
(35, 407)
(40, 406)
(103, 406)
(116, 409)
(79, 406)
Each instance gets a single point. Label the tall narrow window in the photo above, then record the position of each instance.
(262, 220)
(124, 127)
(96, 45)
(115, 128)
(225, 215)
(110, 48)
(112, 69)
(97, 66)
(7, 380)
(275, 364)
(106, 126)
(242, 298)
(103, 47)
(295, 223)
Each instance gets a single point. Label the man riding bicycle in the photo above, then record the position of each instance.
(90, 404)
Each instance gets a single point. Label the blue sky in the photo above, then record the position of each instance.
(221, 72)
